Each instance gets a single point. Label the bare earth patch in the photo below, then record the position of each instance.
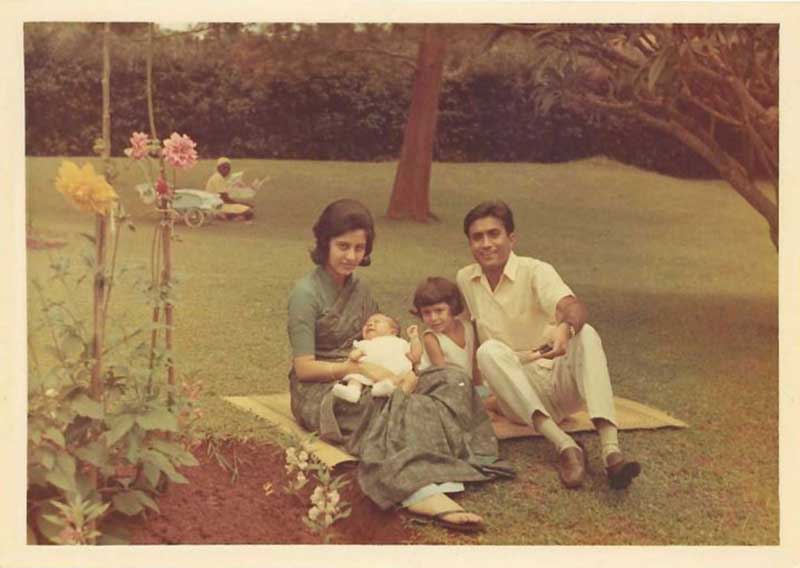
(214, 509)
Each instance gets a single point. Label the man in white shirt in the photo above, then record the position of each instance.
(538, 355)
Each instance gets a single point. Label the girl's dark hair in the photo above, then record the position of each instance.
(336, 219)
(498, 209)
(436, 289)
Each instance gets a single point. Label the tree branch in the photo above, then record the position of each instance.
(727, 166)
(486, 45)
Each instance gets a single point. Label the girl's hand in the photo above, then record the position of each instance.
(408, 383)
(412, 331)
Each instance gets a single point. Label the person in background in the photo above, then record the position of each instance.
(221, 183)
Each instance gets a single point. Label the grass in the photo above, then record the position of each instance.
(679, 276)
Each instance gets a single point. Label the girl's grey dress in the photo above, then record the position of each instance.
(438, 433)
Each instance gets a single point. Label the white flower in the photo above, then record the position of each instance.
(328, 519)
(303, 456)
(301, 477)
(313, 513)
(317, 495)
(333, 497)
(331, 508)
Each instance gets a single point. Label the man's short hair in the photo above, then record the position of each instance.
(498, 209)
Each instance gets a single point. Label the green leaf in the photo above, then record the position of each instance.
(85, 406)
(134, 445)
(62, 480)
(158, 419)
(119, 426)
(95, 453)
(151, 474)
(56, 435)
(127, 503)
(114, 531)
(175, 451)
(53, 519)
(160, 461)
(145, 500)
(47, 458)
(65, 462)
(72, 346)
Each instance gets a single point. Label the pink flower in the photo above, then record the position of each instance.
(179, 151)
(139, 146)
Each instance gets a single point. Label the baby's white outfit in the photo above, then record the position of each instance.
(388, 351)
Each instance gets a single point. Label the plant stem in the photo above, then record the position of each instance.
(98, 314)
(112, 269)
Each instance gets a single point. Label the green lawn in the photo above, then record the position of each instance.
(679, 276)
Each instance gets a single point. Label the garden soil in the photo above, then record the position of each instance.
(216, 507)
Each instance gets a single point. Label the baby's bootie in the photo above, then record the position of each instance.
(350, 392)
(383, 388)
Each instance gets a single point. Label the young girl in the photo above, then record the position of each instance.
(449, 340)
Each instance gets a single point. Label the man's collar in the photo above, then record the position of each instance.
(509, 270)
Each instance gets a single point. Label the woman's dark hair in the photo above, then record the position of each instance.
(498, 209)
(338, 218)
(436, 289)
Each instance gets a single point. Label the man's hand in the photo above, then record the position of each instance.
(561, 339)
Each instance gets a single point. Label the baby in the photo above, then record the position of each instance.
(382, 346)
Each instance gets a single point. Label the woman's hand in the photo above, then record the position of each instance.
(373, 371)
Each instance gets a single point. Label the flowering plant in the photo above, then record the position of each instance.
(178, 151)
(298, 467)
(326, 504)
(85, 189)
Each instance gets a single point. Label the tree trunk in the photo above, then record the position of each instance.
(410, 194)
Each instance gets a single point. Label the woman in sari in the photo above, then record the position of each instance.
(415, 446)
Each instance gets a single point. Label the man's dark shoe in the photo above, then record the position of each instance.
(572, 467)
(620, 471)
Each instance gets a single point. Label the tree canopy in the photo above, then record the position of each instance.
(711, 87)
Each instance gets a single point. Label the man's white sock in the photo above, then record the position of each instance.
(550, 430)
(608, 438)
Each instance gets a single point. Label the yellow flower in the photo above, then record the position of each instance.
(85, 188)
